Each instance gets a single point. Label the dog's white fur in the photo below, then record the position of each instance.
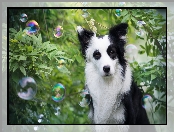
(105, 90)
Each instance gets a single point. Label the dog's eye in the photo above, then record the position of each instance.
(96, 54)
(112, 52)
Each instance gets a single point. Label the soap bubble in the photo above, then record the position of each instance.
(146, 101)
(58, 92)
(61, 63)
(26, 88)
(32, 27)
(58, 32)
(85, 101)
(85, 15)
(23, 17)
(131, 52)
(140, 23)
(118, 12)
(140, 32)
(84, 92)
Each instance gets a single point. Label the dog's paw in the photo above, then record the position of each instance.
(79, 29)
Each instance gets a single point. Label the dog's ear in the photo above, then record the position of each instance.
(117, 35)
(118, 31)
(84, 37)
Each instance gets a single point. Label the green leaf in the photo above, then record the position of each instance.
(124, 12)
(133, 19)
(33, 59)
(40, 38)
(30, 48)
(15, 78)
(163, 95)
(15, 67)
(22, 58)
(147, 50)
(153, 76)
(142, 46)
(33, 53)
(43, 66)
(78, 58)
(151, 40)
(157, 107)
(23, 70)
(141, 52)
(12, 30)
(125, 18)
(60, 52)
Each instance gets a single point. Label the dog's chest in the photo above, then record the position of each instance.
(107, 107)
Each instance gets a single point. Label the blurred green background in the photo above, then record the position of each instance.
(38, 56)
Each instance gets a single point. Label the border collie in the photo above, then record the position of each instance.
(115, 98)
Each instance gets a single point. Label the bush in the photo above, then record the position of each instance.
(38, 56)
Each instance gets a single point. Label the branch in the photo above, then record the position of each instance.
(151, 35)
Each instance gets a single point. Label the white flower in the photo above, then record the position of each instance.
(40, 120)
(41, 115)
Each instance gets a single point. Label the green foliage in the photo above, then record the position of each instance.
(38, 56)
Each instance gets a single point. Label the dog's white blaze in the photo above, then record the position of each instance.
(100, 44)
(104, 90)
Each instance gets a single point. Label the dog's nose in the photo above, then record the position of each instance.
(106, 69)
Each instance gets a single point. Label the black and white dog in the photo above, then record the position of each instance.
(115, 97)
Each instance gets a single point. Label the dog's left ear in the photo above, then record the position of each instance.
(118, 31)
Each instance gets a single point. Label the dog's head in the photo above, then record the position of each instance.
(104, 52)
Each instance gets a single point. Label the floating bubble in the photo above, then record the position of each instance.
(121, 3)
(58, 92)
(26, 88)
(146, 101)
(61, 63)
(85, 101)
(32, 27)
(58, 32)
(84, 92)
(118, 12)
(140, 32)
(85, 15)
(140, 23)
(131, 52)
(23, 17)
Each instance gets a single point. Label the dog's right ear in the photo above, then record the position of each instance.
(84, 37)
